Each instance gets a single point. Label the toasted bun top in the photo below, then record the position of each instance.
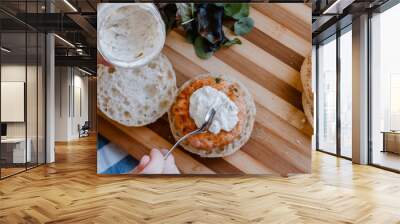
(136, 97)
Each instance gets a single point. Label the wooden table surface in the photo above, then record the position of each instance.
(268, 62)
(70, 191)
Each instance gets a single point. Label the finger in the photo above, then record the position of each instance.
(156, 163)
(101, 60)
(142, 164)
(169, 165)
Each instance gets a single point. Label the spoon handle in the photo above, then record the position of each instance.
(208, 119)
(180, 140)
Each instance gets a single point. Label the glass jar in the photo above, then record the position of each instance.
(104, 11)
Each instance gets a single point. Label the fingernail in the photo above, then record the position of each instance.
(144, 160)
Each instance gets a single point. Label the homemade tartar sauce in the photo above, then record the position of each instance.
(130, 33)
(205, 98)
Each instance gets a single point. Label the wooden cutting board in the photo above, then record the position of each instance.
(268, 62)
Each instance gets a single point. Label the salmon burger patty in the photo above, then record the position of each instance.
(183, 123)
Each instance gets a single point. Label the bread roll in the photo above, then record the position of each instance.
(308, 109)
(307, 96)
(208, 144)
(136, 97)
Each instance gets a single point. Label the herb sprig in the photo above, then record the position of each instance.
(203, 23)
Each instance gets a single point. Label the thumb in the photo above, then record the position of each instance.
(101, 60)
(143, 162)
(156, 163)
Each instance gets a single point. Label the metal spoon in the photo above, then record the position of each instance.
(207, 122)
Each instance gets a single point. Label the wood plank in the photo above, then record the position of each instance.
(248, 164)
(275, 48)
(280, 33)
(299, 157)
(301, 11)
(265, 60)
(282, 128)
(284, 15)
(270, 158)
(123, 140)
(260, 76)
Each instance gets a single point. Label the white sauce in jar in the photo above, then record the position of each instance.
(130, 33)
(205, 98)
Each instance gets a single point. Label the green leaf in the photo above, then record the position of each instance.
(243, 26)
(184, 11)
(191, 36)
(200, 48)
(237, 10)
(168, 14)
(193, 8)
(229, 43)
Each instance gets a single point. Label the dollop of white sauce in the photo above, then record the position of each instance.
(130, 33)
(205, 98)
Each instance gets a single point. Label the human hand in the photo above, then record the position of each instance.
(155, 163)
(101, 60)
